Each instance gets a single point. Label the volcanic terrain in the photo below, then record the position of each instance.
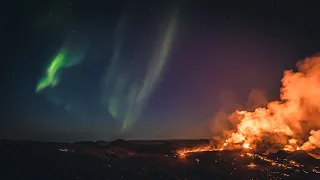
(122, 159)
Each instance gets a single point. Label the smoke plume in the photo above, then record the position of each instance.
(292, 123)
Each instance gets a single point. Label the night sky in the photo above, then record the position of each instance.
(101, 70)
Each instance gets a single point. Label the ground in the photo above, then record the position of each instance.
(147, 160)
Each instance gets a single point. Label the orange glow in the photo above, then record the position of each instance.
(287, 122)
(184, 152)
(251, 165)
(291, 123)
(246, 146)
(182, 155)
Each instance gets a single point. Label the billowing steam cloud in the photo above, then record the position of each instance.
(292, 123)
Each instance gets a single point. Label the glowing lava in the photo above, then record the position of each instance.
(246, 146)
(184, 152)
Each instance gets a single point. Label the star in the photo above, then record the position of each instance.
(253, 49)
(150, 9)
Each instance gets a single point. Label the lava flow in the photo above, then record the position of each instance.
(184, 152)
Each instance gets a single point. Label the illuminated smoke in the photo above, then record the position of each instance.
(221, 123)
(256, 99)
(291, 123)
(313, 140)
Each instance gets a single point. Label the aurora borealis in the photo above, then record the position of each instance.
(69, 55)
(51, 78)
(130, 95)
(80, 70)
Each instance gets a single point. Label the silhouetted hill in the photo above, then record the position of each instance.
(280, 154)
(121, 144)
(88, 143)
(302, 157)
(102, 143)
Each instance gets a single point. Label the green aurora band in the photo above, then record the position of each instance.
(51, 77)
(72, 53)
(129, 96)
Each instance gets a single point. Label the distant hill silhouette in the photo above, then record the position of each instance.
(302, 156)
(87, 143)
(102, 143)
(120, 143)
(281, 154)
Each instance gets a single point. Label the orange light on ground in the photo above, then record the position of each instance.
(182, 155)
(251, 165)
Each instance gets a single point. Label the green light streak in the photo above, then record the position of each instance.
(113, 109)
(72, 53)
(52, 74)
(125, 124)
